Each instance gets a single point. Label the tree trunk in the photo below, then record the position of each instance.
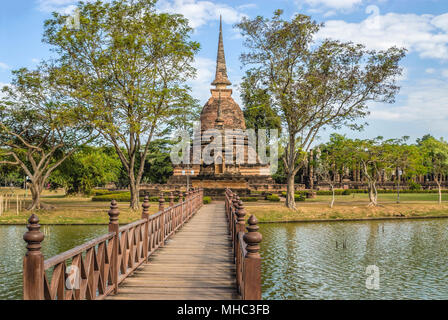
(373, 194)
(35, 195)
(290, 200)
(36, 190)
(134, 189)
(439, 186)
(332, 199)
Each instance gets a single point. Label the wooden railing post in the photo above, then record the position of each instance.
(171, 199)
(162, 217)
(252, 262)
(241, 214)
(145, 215)
(33, 263)
(113, 227)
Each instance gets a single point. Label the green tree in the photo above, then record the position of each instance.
(158, 167)
(128, 64)
(86, 169)
(315, 85)
(257, 106)
(435, 159)
(39, 128)
(331, 158)
(407, 160)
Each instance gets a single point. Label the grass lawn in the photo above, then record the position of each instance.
(81, 210)
(351, 207)
(71, 210)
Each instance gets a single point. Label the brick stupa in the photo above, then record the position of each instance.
(221, 112)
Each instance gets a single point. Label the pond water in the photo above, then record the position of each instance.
(303, 261)
(300, 261)
(12, 249)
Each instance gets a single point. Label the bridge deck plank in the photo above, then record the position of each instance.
(196, 263)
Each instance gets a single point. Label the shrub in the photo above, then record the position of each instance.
(104, 192)
(414, 186)
(120, 197)
(346, 192)
(206, 200)
(299, 197)
(273, 198)
(249, 199)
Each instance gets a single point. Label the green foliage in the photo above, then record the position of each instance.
(158, 166)
(273, 198)
(299, 197)
(120, 197)
(414, 186)
(86, 169)
(258, 111)
(206, 200)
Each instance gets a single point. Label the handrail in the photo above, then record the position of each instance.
(245, 247)
(93, 270)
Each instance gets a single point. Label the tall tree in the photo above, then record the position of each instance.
(333, 158)
(315, 85)
(436, 159)
(128, 63)
(39, 128)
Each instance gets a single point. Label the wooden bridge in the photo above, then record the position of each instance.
(185, 251)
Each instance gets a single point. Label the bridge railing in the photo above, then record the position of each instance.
(94, 269)
(245, 247)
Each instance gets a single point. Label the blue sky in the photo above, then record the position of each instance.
(420, 26)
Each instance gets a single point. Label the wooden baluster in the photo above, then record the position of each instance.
(252, 261)
(145, 215)
(171, 199)
(188, 204)
(162, 218)
(184, 208)
(33, 263)
(113, 227)
(240, 214)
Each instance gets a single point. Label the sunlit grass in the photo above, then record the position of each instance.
(351, 207)
(71, 210)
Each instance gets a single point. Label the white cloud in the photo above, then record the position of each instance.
(247, 6)
(205, 74)
(4, 66)
(426, 105)
(445, 74)
(430, 70)
(425, 34)
(335, 4)
(200, 13)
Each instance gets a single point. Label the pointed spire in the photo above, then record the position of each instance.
(219, 122)
(221, 80)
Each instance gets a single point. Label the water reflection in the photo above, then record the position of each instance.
(300, 261)
(12, 249)
(308, 261)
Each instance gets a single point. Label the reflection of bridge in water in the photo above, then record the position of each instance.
(184, 251)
